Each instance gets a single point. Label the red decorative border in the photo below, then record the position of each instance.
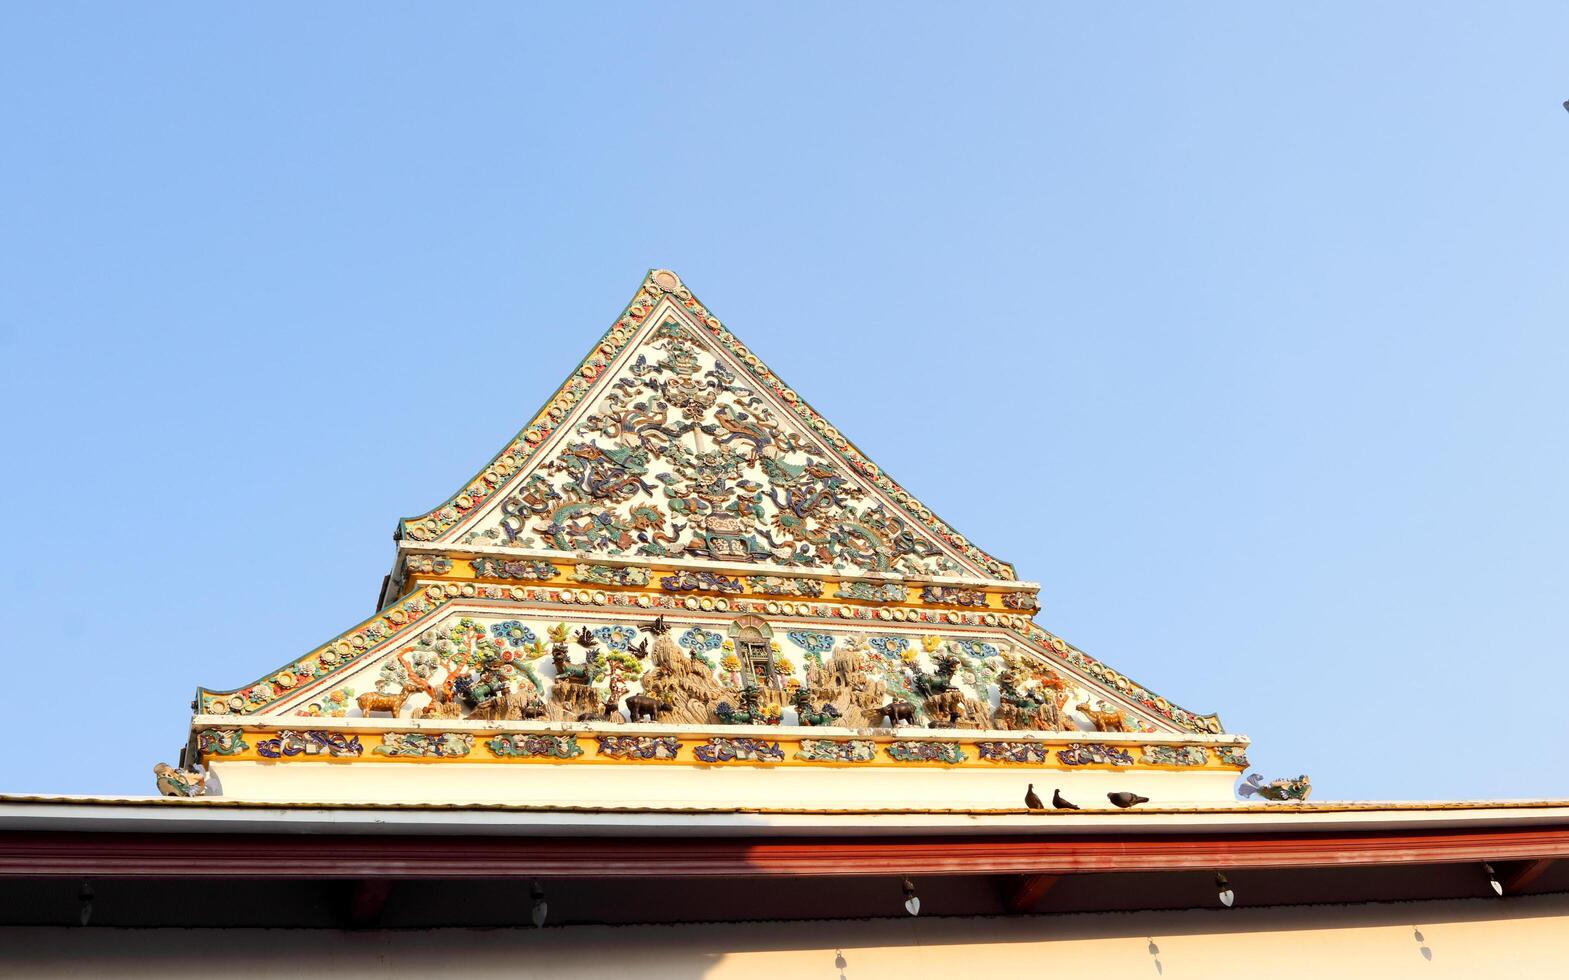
(218, 855)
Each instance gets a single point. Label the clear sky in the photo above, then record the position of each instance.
(1240, 329)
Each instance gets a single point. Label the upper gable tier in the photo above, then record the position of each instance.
(673, 441)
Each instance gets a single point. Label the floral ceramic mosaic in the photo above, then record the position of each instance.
(420, 744)
(629, 575)
(706, 378)
(872, 591)
(1018, 753)
(837, 750)
(739, 750)
(1094, 754)
(948, 752)
(221, 741)
(639, 746)
(531, 571)
(287, 744)
(1232, 756)
(1174, 755)
(535, 746)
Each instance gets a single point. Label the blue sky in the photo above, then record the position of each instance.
(1240, 329)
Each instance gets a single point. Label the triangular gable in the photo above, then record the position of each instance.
(673, 443)
(673, 440)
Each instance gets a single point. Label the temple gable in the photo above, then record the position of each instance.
(679, 563)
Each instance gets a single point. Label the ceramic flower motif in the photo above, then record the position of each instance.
(889, 646)
(698, 638)
(513, 633)
(616, 637)
(811, 642)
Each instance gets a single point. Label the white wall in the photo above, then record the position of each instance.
(1519, 938)
(829, 787)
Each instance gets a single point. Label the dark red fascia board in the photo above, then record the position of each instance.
(144, 855)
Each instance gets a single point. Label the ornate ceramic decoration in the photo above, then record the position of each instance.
(1203, 724)
(179, 782)
(810, 641)
(443, 745)
(1094, 754)
(668, 451)
(953, 597)
(833, 750)
(343, 653)
(946, 752)
(809, 588)
(689, 581)
(288, 744)
(1279, 791)
(535, 746)
(739, 750)
(610, 574)
(333, 704)
(327, 659)
(428, 565)
(674, 444)
(1231, 756)
(1021, 753)
(1173, 755)
(1103, 717)
(639, 746)
(522, 665)
(873, 591)
(220, 741)
(530, 571)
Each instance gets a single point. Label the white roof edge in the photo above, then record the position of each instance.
(219, 816)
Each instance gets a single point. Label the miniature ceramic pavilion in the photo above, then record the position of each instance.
(678, 565)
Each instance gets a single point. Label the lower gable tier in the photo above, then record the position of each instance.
(523, 653)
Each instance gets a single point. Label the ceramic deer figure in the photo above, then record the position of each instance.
(1108, 720)
(391, 703)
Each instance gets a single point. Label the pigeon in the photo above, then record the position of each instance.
(1061, 802)
(1031, 800)
(1125, 800)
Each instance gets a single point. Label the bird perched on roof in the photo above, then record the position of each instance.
(1061, 802)
(1031, 800)
(1125, 800)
